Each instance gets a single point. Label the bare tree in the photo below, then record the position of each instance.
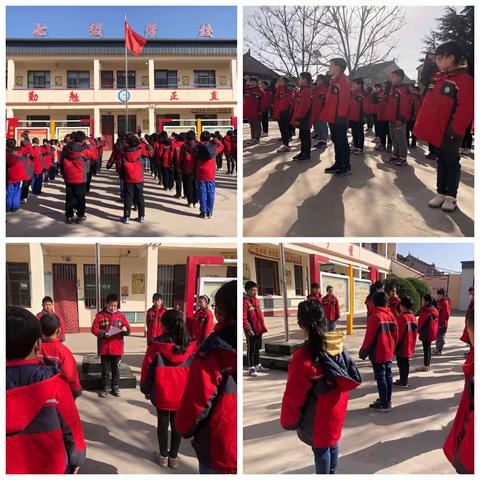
(289, 40)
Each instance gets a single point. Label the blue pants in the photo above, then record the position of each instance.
(206, 193)
(383, 376)
(14, 191)
(326, 459)
(331, 324)
(37, 182)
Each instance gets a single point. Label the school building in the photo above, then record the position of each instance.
(56, 84)
(67, 273)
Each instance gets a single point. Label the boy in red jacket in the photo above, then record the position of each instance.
(253, 108)
(319, 94)
(302, 117)
(38, 166)
(444, 310)
(228, 146)
(54, 353)
(19, 169)
(267, 106)
(332, 309)
(315, 293)
(394, 301)
(153, 318)
(282, 111)
(201, 325)
(379, 346)
(254, 327)
(49, 307)
(427, 330)
(335, 112)
(110, 326)
(407, 338)
(357, 114)
(187, 166)
(44, 430)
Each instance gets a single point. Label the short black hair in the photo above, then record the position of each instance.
(49, 324)
(307, 76)
(249, 285)
(78, 136)
(315, 285)
(157, 296)
(451, 47)
(111, 297)
(380, 299)
(133, 141)
(391, 287)
(47, 299)
(399, 73)
(205, 136)
(329, 287)
(358, 81)
(441, 291)
(254, 79)
(339, 62)
(226, 300)
(428, 298)
(22, 330)
(190, 135)
(407, 302)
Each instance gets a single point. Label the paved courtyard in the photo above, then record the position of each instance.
(409, 439)
(284, 198)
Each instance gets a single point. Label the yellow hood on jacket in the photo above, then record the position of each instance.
(333, 344)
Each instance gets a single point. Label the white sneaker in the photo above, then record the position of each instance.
(437, 201)
(283, 148)
(261, 368)
(450, 204)
(252, 372)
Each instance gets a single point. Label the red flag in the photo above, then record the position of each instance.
(133, 41)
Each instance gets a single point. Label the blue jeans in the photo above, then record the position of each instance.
(321, 129)
(326, 460)
(383, 376)
(37, 182)
(206, 194)
(205, 470)
(14, 191)
(331, 324)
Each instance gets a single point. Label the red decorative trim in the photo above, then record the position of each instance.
(120, 104)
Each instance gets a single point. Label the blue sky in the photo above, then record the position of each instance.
(444, 255)
(72, 22)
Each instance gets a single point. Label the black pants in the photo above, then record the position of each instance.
(91, 173)
(167, 177)
(284, 126)
(305, 141)
(178, 183)
(358, 134)
(382, 132)
(219, 161)
(230, 164)
(164, 418)
(265, 122)
(75, 198)
(448, 172)
(468, 139)
(427, 353)
(110, 363)
(190, 188)
(25, 189)
(404, 369)
(133, 195)
(254, 345)
(409, 133)
(338, 134)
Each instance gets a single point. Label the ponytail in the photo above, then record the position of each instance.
(311, 317)
(173, 322)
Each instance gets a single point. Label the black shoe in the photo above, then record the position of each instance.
(431, 156)
(303, 159)
(202, 215)
(68, 221)
(103, 394)
(321, 145)
(344, 171)
(296, 157)
(115, 392)
(380, 408)
(14, 210)
(141, 219)
(81, 219)
(333, 169)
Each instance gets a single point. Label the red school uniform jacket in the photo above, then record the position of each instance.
(459, 446)
(44, 431)
(358, 106)
(465, 337)
(38, 159)
(253, 316)
(332, 307)
(133, 163)
(319, 94)
(205, 155)
(313, 296)
(54, 353)
(187, 157)
(447, 109)
(165, 373)
(268, 100)
(47, 156)
(201, 325)
(253, 103)
(60, 319)
(398, 107)
(208, 410)
(444, 310)
(380, 336)
(302, 111)
(228, 145)
(104, 319)
(168, 156)
(76, 158)
(407, 335)
(316, 396)
(394, 306)
(154, 323)
(428, 324)
(282, 101)
(19, 166)
(337, 101)
(375, 101)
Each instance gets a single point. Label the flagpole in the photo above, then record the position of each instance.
(126, 77)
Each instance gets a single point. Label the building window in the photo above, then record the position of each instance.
(166, 79)
(267, 277)
(208, 119)
(231, 271)
(78, 79)
(204, 78)
(38, 121)
(106, 79)
(38, 79)
(121, 79)
(109, 280)
(175, 117)
(298, 273)
(132, 123)
(171, 284)
(18, 284)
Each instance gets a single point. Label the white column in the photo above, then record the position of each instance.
(233, 74)
(96, 119)
(37, 287)
(151, 119)
(11, 74)
(151, 275)
(9, 112)
(96, 74)
(151, 76)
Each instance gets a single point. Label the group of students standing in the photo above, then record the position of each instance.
(188, 374)
(441, 115)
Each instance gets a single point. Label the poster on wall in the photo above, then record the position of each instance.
(138, 283)
(340, 288)
(41, 133)
(361, 291)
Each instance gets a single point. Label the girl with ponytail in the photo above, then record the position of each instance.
(164, 377)
(320, 375)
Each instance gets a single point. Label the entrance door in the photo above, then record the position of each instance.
(132, 124)
(65, 294)
(107, 131)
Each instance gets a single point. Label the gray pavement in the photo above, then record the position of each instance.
(408, 440)
(284, 198)
(43, 216)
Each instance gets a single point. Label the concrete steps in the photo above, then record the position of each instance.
(276, 355)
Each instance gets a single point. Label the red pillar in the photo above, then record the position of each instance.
(234, 122)
(373, 274)
(315, 260)
(161, 121)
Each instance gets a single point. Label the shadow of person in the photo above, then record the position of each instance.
(95, 467)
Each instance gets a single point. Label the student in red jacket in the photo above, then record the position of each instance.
(110, 326)
(377, 286)
(459, 445)
(265, 86)
(44, 431)
(187, 166)
(208, 409)
(201, 325)
(407, 338)
(53, 352)
(321, 374)
(335, 113)
(315, 293)
(254, 327)
(464, 338)
(446, 112)
(49, 307)
(38, 166)
(282, 111)
(357, 114)
(253, 108)
(332, 308)
(228, 147)
(167, 164)
(394, 301)
(302, 117)
(444, 308)
(165, 370)
(379, 346)
(19, 169)
(319, 94)
(153, 318)
(46, 150)
(427, 330)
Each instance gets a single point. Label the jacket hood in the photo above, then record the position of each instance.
(165, 348)
(221, 339)
(340, 370)
(333, 344)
